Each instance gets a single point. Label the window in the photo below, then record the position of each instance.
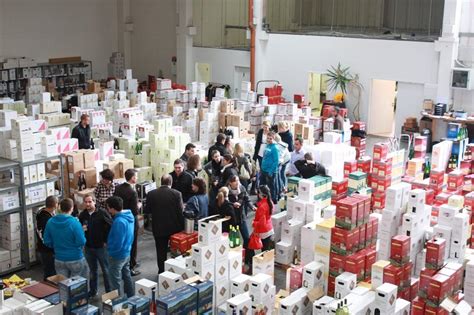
(387, 19)
(221, 23)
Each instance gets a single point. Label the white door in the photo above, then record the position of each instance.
(381, 108)
(240, 74)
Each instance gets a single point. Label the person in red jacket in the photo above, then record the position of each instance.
(262, 223)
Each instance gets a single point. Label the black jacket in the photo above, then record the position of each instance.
(42, 218)
(83, 135)
(287, 137)
(166, 208)
(228, 210)
(98, 227)
(183, 184)
(129, 197)
(308, 170)
(258, 143)
(219, 147)
(227, 174)
(244, 199)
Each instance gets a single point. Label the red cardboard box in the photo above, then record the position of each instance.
(435, 250)
(358, 125)
(375, 229)
(358, 142)
(436, 177)
(349, 167)
(182, 242)
(364, 164)
(344, 242)
(393, 274)
(414, 286)
(355, 264)
(439, 288)
(455, 180)
(346, 213)
(400, 249)
(406, 278)
(451, 274)
(380, 151)
(404, 293)
(418, 306)
(378, 200)
(430, 197)
(331, 285)
(425, 278)
(383, 183)
(336, 264)
(362, 236)
(431, 310)
(363, 208)
(382, 168)
(370, 259)
(458, 277)
(339, 187)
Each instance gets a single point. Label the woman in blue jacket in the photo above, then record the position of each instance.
(198, 204)
(65, 235)
(270, 166)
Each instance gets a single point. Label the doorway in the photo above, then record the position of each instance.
(382, 106)
(240, 74)
(317, 91)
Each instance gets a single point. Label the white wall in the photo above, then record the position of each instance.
(59, 28)
(153, 37)
(289, 58)
(222, 61)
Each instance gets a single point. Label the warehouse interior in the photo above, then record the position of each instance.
(236, 157)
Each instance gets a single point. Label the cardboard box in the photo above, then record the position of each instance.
(73, 293)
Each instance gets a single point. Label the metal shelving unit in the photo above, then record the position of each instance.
(22, 209)
(67, 77)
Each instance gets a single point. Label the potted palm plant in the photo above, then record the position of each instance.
(340, 79)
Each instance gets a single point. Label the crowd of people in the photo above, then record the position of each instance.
(105, 232)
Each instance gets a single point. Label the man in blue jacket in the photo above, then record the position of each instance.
(270, 164)
(65, 235)
(119, 243)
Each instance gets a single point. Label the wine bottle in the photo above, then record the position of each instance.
(427, 169)
(116, 144)
(153, 310)
(231, 237)
(92, 144)
(295, 256)
(83, 184)
(137, 135)
(120, 132)
(345, 308)
(238, 237)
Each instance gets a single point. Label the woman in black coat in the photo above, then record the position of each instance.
(226, 209)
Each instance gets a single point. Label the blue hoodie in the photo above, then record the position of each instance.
(270, 159)
(65, 235)
(120, 237)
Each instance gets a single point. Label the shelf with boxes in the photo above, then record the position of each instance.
(28, 187)
(63, 77)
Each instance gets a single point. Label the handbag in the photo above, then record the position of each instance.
(244, 174)
(255, 243)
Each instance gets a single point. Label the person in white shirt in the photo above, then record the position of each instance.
(296, 155)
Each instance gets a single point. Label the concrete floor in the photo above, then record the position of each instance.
(147, 252)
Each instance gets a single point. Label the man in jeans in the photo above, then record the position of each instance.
(96, 224)
(64, 234)
(119, 243)
(46, 253)
(129, 196)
